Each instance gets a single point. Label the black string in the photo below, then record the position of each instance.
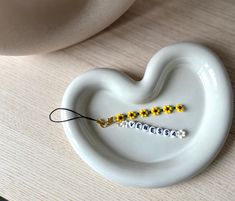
(80, 116)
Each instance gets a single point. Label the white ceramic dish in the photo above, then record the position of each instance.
(181, 73)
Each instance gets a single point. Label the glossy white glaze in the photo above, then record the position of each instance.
(185, 73)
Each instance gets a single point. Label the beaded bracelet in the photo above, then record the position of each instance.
(153, 130)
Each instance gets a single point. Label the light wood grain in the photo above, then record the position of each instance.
(36, 160)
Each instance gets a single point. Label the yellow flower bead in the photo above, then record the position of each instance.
(168, 109)
(132, 115)
(180, 108)
(156, 111)
(144, 113)
(120, 118)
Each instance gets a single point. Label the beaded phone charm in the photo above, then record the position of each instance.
(121, 120)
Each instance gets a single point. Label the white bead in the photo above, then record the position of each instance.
(125, 124)
(145, 127)
(166, 132)
(159, 131)
(152, 130)
(178, 134)
(181, 133)
(173, 133)
(131, 124)
(138, 126)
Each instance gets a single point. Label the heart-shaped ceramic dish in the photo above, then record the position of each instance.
(185, 73)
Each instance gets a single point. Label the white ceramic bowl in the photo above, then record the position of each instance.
(32, 27)
(185, 73)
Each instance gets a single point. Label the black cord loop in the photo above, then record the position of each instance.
(79, 116)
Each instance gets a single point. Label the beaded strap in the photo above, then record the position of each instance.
(119, 118)
(153, 130)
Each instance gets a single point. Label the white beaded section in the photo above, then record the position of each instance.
(153, 130)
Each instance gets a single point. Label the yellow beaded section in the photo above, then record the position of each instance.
(144, 113)
(131, 115)
(167, 109)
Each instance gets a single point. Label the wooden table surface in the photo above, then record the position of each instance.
(36, 160)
